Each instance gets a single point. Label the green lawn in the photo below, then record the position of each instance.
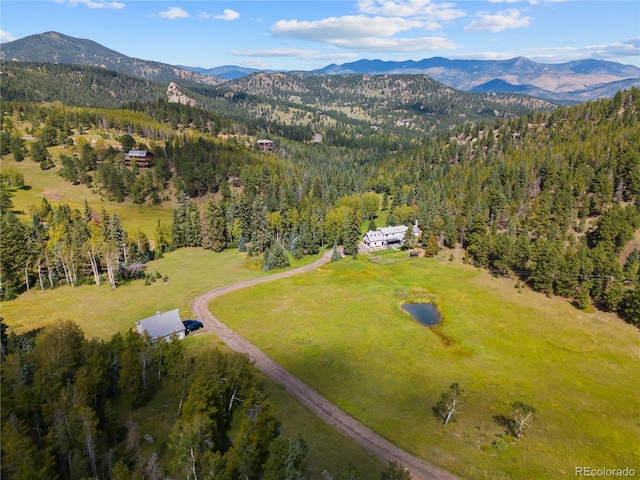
(46, 183)
(101, 311)
(341, 330)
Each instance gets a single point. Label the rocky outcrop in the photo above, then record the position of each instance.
(175, 96)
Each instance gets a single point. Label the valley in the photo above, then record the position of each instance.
(522, 225)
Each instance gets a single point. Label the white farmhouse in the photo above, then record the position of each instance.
(373, 239)
(388, 236)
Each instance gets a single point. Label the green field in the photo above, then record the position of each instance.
(101, 311)
(47, 184)
(341, 330)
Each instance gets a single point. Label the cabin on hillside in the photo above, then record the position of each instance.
(265, 145)
(142, 158)
(162, 326)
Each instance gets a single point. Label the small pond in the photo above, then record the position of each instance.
(423, 313)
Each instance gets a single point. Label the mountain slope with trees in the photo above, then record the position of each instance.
(378, 113)
(550, 198)
(57, 48)
(569, 82)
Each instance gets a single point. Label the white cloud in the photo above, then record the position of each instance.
(341, 29)
(227, 15)
(615, 50)
(93, 3)
(486, 56)
(427, 9)
(377, 44)
(363, 33)
(500, 21)
(6, 37)
(301, 54)
(174, 12)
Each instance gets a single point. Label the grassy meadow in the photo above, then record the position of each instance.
(101, 311)
(47, 184)
(341, 330)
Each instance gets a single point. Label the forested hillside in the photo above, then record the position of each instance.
(57, 48)
(75, 408)
(380, 112)
(550, 198)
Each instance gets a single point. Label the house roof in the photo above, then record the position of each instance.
(162, 325)
(137, 153)
(398, 229)
(373, 236)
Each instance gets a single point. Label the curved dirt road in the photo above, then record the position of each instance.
(319, 405)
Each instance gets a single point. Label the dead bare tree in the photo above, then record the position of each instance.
(446, 408)
(522, 412)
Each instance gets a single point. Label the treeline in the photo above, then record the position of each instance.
(71, 409)
(64, 246)
(549, 198)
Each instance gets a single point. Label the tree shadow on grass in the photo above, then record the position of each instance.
(507, 423)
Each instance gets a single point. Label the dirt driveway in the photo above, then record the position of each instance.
(319, 405)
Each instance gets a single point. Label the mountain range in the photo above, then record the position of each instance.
(54, 47)
(579, 80)
(569, 82)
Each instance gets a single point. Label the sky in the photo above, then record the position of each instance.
(309, 34)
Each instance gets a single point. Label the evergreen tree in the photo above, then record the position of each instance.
(251, 445)
(310, 242)
(39, 152)
(131, 377)
(279, 258)
(260, 235)
(295, 246)
(14, 254)
(242, 246)
(391, 220)
(17, 148)
(288, 460)
(352, 233)
(335, 256)
(409, 237)
(214, 226)
(5, 200)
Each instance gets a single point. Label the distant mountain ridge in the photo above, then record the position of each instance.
(578, 80)
(54, 47)
(570, 82)
(228, 72)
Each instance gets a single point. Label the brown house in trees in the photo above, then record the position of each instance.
(141, 157)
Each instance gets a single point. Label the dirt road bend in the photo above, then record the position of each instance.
(319, 405)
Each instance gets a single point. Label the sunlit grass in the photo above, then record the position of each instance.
(47, 184)
(101, 311)
(341, 330)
